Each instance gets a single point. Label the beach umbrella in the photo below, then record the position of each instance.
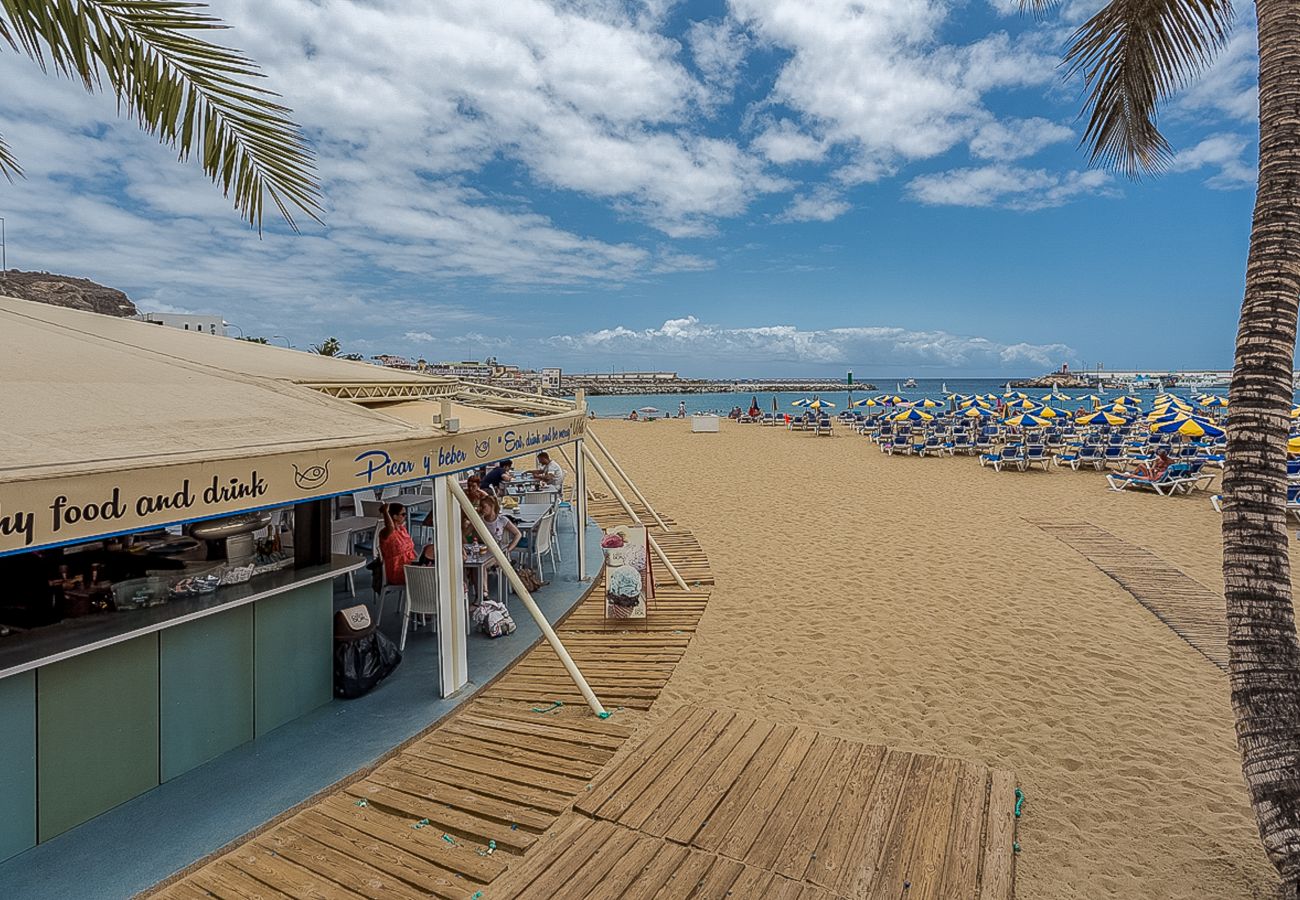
(648, 409)
(1051, 412)
(1016, 395)
(1212, 401)
(1188, 426)
(1022, 402)
(1055, 395)
(975, 401)
(1295, 411)
(930, 404)
(990, 397)
(1129, 400)
(819, 403)
(1101, 417)
(802, 402)
(1027, 420)
(960, 398)
(974, 411)
(911, 415)
(1293, 445)
(867, 401)
(891, 399)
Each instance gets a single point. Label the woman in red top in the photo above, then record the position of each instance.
(395, 544)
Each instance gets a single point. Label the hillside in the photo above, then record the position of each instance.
(64, 290)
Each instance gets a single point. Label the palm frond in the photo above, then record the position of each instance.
(8, 164)
(194, 95)
(1133, 55)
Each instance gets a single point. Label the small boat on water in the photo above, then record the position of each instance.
(909, 383)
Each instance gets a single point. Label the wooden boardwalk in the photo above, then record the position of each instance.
(711, 804)
(1192, 611)
(445, 814)
(716, 804)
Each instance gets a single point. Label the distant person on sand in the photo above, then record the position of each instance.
(495, 481)
(681, 409)
(754, 411)
(632, 416)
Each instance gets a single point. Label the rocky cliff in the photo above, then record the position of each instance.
(64, 290)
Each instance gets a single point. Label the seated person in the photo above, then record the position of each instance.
(503, 531)
(495, 481)
(632, 416)
(548, 471)
(755, 412)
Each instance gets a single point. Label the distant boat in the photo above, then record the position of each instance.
(909, 383)
(943, 388)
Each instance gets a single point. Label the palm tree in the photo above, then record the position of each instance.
(1133, 55)
(328, 347)
(195, 96)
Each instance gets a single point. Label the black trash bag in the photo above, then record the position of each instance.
(361, 663)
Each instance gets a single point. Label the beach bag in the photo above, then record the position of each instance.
(363, 655)
(530, 579)
(492, 618)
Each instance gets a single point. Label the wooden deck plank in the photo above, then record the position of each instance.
(614, 777)
(454, 822)
(285, 877)
(701, 807)
(797, 853)
(646, 801)
(711, 832)
(832, 853)
(775, 830)
(689, 786)
(468, 802)
(997, 872)
(487, 785)
(763, 803)
(962, 865)
(684, 880)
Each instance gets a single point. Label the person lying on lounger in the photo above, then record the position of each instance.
(1152, 470)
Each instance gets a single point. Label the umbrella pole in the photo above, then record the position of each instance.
(551, 637)
(627, 508)
(630, 483)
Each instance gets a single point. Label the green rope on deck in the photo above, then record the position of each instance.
(420, 824)
(1020, 798)
(361, 803)
(604, 715)
(448, 838)
(556, 704)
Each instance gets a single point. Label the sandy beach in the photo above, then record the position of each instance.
(912, 602)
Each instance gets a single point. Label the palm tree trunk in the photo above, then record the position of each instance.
(1264, 650)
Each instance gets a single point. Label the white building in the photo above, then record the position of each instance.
(204, 322)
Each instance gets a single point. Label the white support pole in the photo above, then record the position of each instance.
(551, 637)
(627, 508)
(630, 483)
(453, 649)
(572, 464)
(580, 506)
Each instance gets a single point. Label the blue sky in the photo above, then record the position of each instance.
(755, 187)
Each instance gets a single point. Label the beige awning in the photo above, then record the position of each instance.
(114, 425)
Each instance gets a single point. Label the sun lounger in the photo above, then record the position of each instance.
(1166, 484)
(1007, 457)
(1037, 453)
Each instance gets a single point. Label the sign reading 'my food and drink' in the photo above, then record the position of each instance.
(42, 512)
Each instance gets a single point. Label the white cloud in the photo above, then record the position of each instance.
(719, 49)
(1008, 187)
(688, 338)
(1224, 151)
(820, 205)
(1229, 88)
(420, 337)
(1016, 138)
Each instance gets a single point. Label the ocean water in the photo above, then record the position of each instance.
(723, 402)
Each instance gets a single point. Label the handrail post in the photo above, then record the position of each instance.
(480, 528)
(630, 483)
(627, 508)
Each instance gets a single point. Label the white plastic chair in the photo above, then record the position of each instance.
(341, 545)
(421, 598)
(544, 542)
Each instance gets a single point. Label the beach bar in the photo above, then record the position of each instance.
(167, 561)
